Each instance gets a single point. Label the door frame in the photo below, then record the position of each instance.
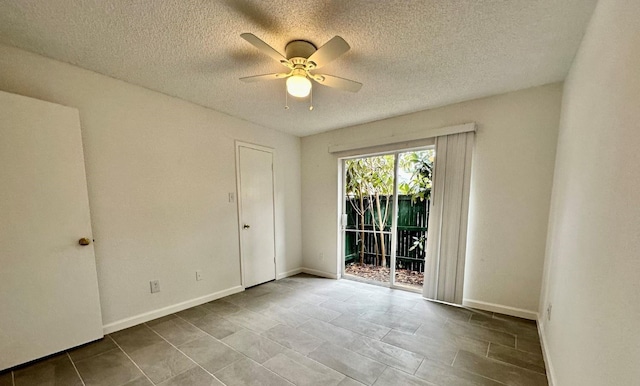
(342, 173)
(238, 145)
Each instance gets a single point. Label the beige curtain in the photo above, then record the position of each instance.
(447, 232)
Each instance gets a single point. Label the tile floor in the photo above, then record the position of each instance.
(305, 330)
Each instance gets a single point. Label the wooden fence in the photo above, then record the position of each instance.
(412, 227)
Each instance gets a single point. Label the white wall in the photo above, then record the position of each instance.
(159, 171)
(510, 191)
(592, 272)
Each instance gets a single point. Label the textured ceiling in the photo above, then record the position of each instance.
(410, 55)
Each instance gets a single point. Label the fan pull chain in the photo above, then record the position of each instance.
(286, 99)
(311, 100)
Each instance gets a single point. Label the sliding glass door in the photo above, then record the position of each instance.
(385, 216)
(369, 184)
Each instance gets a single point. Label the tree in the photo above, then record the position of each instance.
(420, 165)
(357, 187)
(382, 185)
(371, 178)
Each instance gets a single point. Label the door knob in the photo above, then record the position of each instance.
(84, 241)
(246, 226)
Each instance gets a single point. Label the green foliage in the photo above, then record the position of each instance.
(368, 176)
(420, 165)
(418, 242)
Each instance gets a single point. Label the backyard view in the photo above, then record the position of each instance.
(369, 200)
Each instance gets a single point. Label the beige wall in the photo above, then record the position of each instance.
(510, 191)
(592, 272)
(159, 171)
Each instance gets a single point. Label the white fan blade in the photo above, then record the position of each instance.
(265, 48)
(337, 82)
(329, 52)
(257, 78)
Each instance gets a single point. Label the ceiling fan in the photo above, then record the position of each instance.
(302, 57)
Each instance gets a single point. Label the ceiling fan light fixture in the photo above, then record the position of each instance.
(298, 86)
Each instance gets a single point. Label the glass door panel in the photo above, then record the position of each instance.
(414, 193)
(368, 206)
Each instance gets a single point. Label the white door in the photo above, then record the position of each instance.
(48, 284)
(255, 173)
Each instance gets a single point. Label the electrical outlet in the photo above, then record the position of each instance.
(321, 256)
(549, 311)
(232, 197)
(155, 286)
(198, 275)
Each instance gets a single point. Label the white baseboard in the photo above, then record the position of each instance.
(499, 308)
(293, 272)
(315, 272)
(551, 377)
(147, 316)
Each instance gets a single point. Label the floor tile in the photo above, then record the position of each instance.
(444, 311)
(446, 375)
(254, 346)
(302, 371)
(135, 338)
(348, 362)
(373, 334)
(499, 371)
(293, 338)
(210, 353)
(239, 299)
(258, 304)
(344, 308)
(360, 326)
(258, 291)
(309, 298)
(328, 332)
(520, 328)
(393, 377)
(386, 353)
(516, 357)
(316, 312)
(251, 320)
(221, 307)
(437, 330)
(91, 349)
(286, 300)
(399, 303)
(426, 347)
(177, 331)
(284, 315)
(529, 345)
(194, 377)
(6, 379)
(57, 370)
(161, 361)
(291, 282)
(481, 333)
(395, 321)
(161, 320)
(246, 372)
(193, 314)
(347, 381)
(112, 368)
(333, 293)
(139, 382)
(516, 319)
(216, 326)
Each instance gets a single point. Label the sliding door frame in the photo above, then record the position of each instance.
(342, 221)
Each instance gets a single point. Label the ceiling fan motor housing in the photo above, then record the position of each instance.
(299, 49)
